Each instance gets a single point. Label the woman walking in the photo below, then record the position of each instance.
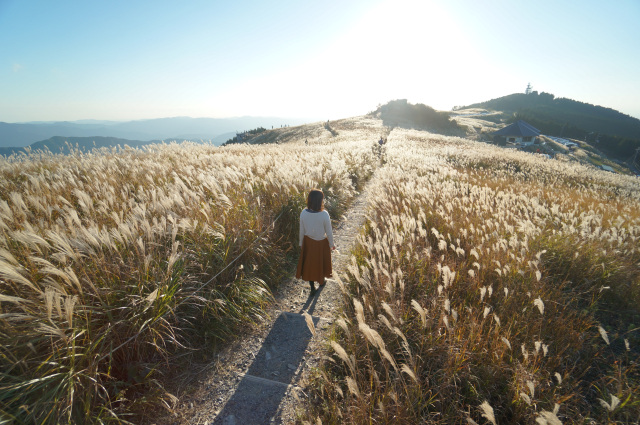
(316, 241)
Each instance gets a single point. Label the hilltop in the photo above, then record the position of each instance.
(613, 132)
(478, 122)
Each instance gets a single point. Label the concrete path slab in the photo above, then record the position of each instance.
(273, 371)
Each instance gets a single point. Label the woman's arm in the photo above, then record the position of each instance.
(327, 229)
(301, 228)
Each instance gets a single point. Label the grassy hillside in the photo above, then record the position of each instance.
(487, 286)
(261, 136)
(609, 130)
(114, 264)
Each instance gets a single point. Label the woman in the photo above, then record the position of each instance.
(316, 241)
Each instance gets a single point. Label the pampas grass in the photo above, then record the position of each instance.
(114, 263)
(471, 251)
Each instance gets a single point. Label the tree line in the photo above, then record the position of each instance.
(399, 112)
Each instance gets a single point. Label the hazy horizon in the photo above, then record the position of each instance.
(126, 61)
(100, 121)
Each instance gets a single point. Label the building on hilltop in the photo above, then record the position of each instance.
(520, 132)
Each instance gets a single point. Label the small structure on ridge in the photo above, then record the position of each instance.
(520, 132)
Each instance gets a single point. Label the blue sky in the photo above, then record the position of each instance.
(123, 60)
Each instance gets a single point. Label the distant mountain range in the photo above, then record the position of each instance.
(615, 133)
(611, 131)
(59, 144)
(214, 130)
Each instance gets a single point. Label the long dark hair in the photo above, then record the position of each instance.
(315, 200)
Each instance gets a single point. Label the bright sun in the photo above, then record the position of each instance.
(400, 49)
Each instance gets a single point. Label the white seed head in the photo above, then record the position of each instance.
(558, 377)
(603, 334)
(506, 342)
(488, 412)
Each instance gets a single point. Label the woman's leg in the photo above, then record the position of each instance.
(313, 288)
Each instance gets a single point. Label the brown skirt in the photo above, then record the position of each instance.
(315, 260)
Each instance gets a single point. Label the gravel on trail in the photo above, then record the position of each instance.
(261, 378)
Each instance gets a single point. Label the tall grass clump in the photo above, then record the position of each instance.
(488, 287)
(114, 262)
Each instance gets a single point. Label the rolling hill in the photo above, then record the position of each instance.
(59, 144)
(609, 130)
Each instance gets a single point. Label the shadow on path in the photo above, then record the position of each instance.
(310, 304)
(262, 388)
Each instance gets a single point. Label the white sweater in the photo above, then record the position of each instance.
(316, 225)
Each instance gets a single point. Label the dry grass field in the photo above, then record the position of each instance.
(114, 263)
(488, 286)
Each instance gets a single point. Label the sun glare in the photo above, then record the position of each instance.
(398, 49)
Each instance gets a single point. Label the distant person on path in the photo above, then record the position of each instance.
(316, 241)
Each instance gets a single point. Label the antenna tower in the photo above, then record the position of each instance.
(529, 89)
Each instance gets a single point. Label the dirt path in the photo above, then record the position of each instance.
(261, 379)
